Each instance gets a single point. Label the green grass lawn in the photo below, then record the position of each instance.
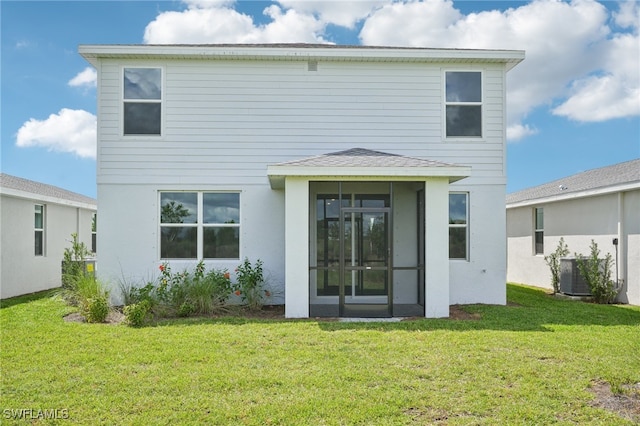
(531, 362)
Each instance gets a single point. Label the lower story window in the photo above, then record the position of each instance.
(199, 225)
(458, 225)
(39, 230)
(538, 231)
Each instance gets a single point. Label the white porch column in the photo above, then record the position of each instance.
(436, 248)
(296, 251)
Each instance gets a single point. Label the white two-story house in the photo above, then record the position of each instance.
(369, 180)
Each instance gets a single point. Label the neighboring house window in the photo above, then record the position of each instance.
(199, 225)
(142, 97)
(94, 226)
(39, 230)
(539, 230)
(458, 225)
(463, 103)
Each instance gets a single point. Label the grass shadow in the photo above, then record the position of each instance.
(27, 298)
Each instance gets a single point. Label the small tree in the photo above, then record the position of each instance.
(597, 274)
(73, 261)
(553, 260)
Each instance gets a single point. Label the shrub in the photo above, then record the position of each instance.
(553, 260)
(81, 289)
(89, 295)
(132, 294)
(183, 293)
(73, 261)
(249, 283)
(97, 309)
(596, 272)
(185, 309)
(136, 314)
(208, 293)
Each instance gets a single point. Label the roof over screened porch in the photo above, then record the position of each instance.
(360, 163)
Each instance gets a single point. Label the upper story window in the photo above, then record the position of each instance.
(539, 230)
(142, 98)
(199, 225)
(39, 230)
(458, 225)
(463, 104)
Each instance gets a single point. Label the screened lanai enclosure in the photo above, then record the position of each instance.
(366, 246)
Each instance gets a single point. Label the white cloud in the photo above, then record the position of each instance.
(24, 44)
(290, 26)
(516, 132)
(208, 3)
(199, 25)
(342, 13)
(615, 92)
(70, 130)
(629, 15)
(85, 78)
(215, 22)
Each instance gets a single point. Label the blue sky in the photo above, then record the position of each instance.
(574, 103)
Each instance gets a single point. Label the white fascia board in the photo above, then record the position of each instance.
(277, 173)
(283, 52)
(575, 195)
(44, 199)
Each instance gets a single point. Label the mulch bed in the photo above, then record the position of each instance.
(276, 312)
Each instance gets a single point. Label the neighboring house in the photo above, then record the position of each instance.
(370, 181)
(36, 224)
(600, 205)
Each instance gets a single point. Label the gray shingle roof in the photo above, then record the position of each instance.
(360, 157)
(42, 189)
(617, 174)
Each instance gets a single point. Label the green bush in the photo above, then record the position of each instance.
(249, 283)
(89, 295)
(136, 314)
(97, 309)
(596, 272)
(208, 293)
(183, 293)
(553, 261)
(73, 261)
(80, 289)
(185, 309)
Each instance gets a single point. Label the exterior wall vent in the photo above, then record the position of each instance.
(312, 66)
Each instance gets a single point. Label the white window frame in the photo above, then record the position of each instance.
(199, 225)
(537, 230)
(466, 226)
(160, 101)
(94, 233)
(445, 103)
(41, 230)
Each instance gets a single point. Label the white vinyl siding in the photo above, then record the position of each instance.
(225, 121)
